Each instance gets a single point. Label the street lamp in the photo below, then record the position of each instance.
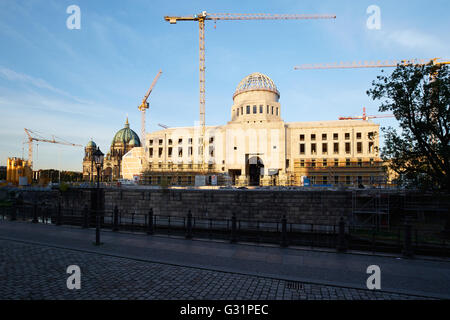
(98, 159)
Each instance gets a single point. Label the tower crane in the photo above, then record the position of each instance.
(370, 64)
(37, 138)
(365, 117)
(144, 106)
(202, 17)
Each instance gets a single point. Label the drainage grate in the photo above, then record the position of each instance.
(293, 285)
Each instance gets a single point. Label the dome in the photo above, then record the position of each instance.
(133, 143)
(254, 82)
(126, 135)
(91, 144)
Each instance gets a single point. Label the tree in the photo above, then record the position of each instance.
(419, 98)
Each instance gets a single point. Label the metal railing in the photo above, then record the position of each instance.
(406, 240)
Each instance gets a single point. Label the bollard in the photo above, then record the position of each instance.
(59, 216)
(116, 219)
(150, 222)
(85, 217)
(233, 228)
(284, 241)
(342, 245)
(407, 245)
(14, 214)
(97, 230)
(35, 215)
(189, 225)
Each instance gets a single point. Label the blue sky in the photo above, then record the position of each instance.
(81, 84)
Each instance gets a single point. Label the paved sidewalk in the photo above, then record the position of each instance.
(33, 259)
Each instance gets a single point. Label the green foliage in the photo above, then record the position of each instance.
(63, 187)
(419, 97)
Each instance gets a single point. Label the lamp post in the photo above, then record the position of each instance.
(98, 159)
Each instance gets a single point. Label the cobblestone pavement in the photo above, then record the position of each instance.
(29, 271)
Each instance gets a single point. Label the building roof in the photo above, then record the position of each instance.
(256, 81)
(91, 144)
(125, 136)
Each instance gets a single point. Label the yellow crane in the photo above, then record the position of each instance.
(33, 136)
(144, 106)
(202, 17)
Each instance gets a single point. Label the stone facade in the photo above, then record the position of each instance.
(256, 147)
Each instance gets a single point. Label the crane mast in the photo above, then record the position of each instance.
(201, 18)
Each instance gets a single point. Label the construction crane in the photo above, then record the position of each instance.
(144, 106)
(202, 17)
(37, 138)
(370, 64)
(163, 126)
(365, 117)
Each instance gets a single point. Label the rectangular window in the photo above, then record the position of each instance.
(302, 137)
(335, 136)
(358, 135)
(190, 140)
(180, 151)
(347, 147)
(160, 142)
(248, 109)
(169, 142)
(324, 136)
(272, 109)
(237, 112)
(277, 110)
(359, 147)
(313, 137)
(371, 147)
(150, 142)
(302, 148)
(313, 148)
(324, 163)
(180, 141)
(371, 135)
(347, 136)
(169, 152)
(302, 163)
(268, 111)
(242, 110)
(261, 109)
(150, 150)
(336, 147)
(324, 148)
(189, 151)
(160, 152)
(254, 109)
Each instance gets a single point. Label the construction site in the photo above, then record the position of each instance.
(255, 148)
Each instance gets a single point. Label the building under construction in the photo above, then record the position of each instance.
(258, 148)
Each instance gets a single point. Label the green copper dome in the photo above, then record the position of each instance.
(91, 144)
(125, 136)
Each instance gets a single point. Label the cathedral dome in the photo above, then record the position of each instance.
(125, 135)
(91, 144)
(256, 82)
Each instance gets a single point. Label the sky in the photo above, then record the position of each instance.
(80, 84)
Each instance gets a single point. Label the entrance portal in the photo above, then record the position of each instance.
(255, 170)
